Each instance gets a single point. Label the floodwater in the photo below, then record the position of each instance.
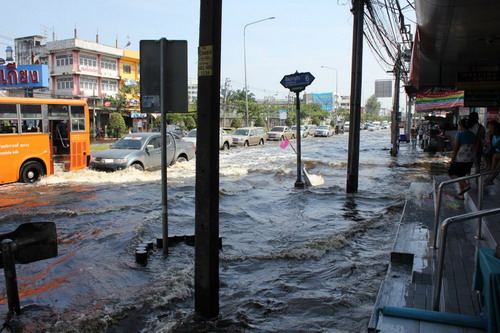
(292, 260)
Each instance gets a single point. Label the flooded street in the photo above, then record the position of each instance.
(293, 260)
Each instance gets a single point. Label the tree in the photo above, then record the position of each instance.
(236, 122)
(372, 106)
(189, 123)
(260, 122)
(116, 126)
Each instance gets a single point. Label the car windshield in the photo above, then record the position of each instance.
(129, 142)
(192, 134)
(278, 129)
(322, 127)
(240, 132)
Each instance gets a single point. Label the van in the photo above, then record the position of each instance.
(249, 136)
(311, 129)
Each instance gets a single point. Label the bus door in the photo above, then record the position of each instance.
(60, 143)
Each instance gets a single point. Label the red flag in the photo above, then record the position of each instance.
(284, 143)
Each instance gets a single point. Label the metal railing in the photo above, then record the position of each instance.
(447, 222)
(480, 190)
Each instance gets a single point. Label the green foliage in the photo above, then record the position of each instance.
(236, 123)
(260, 122)
(189, 123)
(343, 115)
(372, 106)
(116, 126)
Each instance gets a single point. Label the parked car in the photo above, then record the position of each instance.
(303, 131)
(142, 151)
(176, 130)
(311, 129)
(225, 139)
(280, 133)
(323, 130)
(249, 136)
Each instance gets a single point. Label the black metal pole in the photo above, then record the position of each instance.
(163, 109)
(206, 265)
(299, 182)
(9, 268)
(355, 115)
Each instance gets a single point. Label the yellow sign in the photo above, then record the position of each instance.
(205, 60)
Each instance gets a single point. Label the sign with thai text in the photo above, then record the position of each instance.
(24, 76)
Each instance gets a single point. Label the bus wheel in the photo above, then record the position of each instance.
(31, 172)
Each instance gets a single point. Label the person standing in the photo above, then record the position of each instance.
(480, 132)
(463, 156)
(495, 161)
(413, 134)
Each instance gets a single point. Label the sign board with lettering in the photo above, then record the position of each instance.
(478, 80)
(283, 114)
(298, 81)
(174, 81)
(24, 76)
(205, 60)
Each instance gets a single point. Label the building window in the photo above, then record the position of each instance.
(110, 85)
(127, 69)
(86, 60)
(64, 59)
(88, 83)
(65, 83)
(108, 64)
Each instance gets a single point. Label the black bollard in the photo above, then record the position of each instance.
(9, 268)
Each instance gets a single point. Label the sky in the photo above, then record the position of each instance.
(304, 36)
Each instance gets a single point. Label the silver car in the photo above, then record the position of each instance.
(249, 136)
(323, 130)
(141, 151)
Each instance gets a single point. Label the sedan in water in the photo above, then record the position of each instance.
(142, 151)
(280, 133)
(225, 139)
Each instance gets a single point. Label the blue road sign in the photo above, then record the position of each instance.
(297, 80)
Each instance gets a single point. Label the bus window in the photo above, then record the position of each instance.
(31, 118)
(58, 110)
(8, 118)
(78, 118)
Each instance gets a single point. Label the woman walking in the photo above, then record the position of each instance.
(463, 156)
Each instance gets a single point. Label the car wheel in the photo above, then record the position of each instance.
(181, 159)
(261, 142)
(31, 172)
(225, 146)
(246, 144)
(137, 166)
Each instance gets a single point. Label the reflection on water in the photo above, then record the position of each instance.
(292, 260)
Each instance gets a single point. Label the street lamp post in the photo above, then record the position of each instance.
(245, 63)
(336, 89)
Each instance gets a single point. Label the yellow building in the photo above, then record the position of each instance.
(129, 77)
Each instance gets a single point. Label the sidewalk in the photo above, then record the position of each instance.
(411, 279)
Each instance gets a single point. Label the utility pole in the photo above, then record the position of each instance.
(355, 115)
(225, 94)
(395, 107)
(206, 265)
